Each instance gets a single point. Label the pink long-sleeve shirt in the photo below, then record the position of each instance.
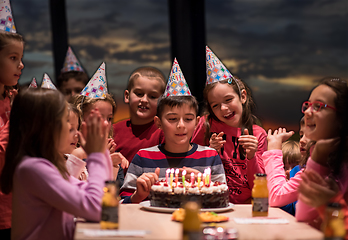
(44, 203)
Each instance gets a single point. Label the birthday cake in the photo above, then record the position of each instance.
(173, 194)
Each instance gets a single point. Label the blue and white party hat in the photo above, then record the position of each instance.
(6, 19)
(47, 83)
(176, 85)
(96, 87)
(71, 63)
(216, 71)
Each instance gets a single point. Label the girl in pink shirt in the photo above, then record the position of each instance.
(45, 197)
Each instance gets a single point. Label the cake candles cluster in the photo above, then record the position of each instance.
(172, 191)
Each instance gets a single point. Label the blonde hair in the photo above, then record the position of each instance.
(149, 72)
(291, 152)
(84, 104)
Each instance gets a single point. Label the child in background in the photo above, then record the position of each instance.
(145, 86)
(11, 66)
(45, 197)
(72, 78)
(326, 123)
(291, 156)
(75, 166)
(230, 104)
(91, 98)
(177, 116)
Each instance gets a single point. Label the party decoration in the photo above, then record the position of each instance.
(47, 83)
(96, 87)
(71, 63)
(33, 83)
(6, 19)
(176, 85)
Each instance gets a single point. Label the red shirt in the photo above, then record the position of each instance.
(131, 138)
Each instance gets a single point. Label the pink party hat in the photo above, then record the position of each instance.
(47, 83)
(96, 87)
(33, 83)
(6, 19)
(71, 63)
(177, 85)
(216, 71)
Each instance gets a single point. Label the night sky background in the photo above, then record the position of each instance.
(280, 48)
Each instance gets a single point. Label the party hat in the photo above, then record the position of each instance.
(33, 83)
(96, 87)
(6, 19)
(47, 83)
(216, 71)
(176, 85)
(71, 63)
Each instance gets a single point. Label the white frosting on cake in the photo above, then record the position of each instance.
(193, 190)
(179, 190)
(157, 188)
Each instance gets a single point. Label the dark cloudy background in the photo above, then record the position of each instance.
(280, 48)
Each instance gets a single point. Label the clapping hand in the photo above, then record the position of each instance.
(276, 139)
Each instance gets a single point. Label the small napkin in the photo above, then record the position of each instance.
(261, 220)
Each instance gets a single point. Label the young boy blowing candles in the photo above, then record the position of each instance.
(177, 116)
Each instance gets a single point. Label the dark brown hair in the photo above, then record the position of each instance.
(149, 72)
(78, 76)
(176, 101)
(248, 118)
(35, 127)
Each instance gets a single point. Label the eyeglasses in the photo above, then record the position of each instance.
(315, 106)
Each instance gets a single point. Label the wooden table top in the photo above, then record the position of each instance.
(160, 226)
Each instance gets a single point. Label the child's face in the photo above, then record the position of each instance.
(105, 109)
(303, 141)
(71, 88)
(142, 99)
(73, 138)
(178, 125)
(321, 124)
(226, 104)
(11, 63)
(65, 132)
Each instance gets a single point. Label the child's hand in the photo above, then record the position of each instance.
(117, 158)
(276, 139)
(216, 141)
(249, 143)
(95, 132)
(111, 145)
(316, 191)
(144, 183)
(323, 148)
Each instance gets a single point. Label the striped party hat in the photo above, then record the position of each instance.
(96, 87)
(177, 85)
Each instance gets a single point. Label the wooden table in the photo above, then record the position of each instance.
(160, 225)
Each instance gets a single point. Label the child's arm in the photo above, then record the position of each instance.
(144, 183)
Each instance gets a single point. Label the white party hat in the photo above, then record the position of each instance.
(47, 83)
(33, 83)
(96, 87)
(71, 63)
(6, 19)
(216, 71)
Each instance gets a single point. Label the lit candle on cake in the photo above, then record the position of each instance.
(209, 175)
(167, 175)
(199, 180)
(171, 177)
(176, 177)
(183, 177)
(192, 179)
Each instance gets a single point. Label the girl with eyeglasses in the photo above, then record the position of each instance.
(325, 179)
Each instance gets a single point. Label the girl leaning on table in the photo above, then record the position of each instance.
(45, 197)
